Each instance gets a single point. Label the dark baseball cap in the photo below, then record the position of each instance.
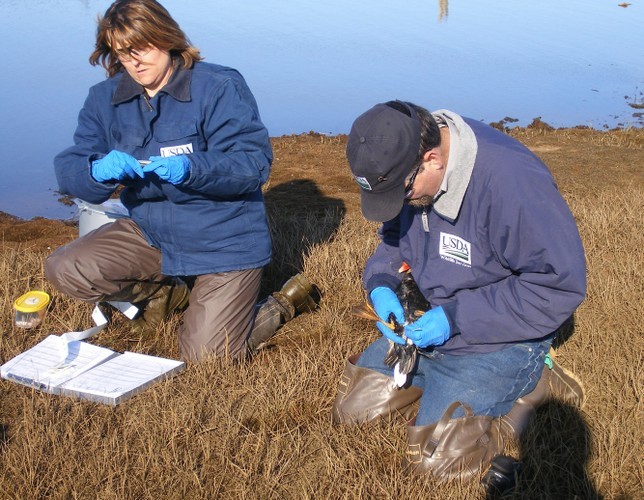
(382, 147)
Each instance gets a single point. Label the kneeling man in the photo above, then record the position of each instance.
(494, 249)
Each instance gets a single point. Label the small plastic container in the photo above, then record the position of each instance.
(31, 308)
(92, 216)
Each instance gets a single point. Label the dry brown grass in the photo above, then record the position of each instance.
(261, 429)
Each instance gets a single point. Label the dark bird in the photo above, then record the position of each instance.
(401, 357)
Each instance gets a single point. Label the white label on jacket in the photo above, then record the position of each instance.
(455, 249)
(184, 149)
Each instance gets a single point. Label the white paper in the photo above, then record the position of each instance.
(100, 321)
(121, 377)
(128, 309)
(42, 367)
(89, 372)
(66, 365)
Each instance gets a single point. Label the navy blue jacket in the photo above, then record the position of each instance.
(215, 220)
(509, 268)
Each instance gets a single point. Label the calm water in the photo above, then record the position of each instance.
(316, 66)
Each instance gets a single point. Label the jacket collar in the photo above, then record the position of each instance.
(462, 155)
(178, 86)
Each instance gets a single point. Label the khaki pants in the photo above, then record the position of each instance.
(107, 261)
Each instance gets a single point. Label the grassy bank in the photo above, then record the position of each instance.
(261, 429)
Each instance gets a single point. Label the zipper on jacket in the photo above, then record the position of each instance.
(147, 101)
(425, 220)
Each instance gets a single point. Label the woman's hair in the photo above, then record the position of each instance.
(136, 24)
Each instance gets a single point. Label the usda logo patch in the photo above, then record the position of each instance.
(455, 249)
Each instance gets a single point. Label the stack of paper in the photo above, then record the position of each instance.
(87, 371)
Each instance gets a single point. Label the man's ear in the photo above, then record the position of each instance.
(431, 156)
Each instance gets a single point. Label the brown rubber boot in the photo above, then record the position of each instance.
(298, 296)
(268, 319)
(453, 447)
(555, 382)
(365, 395)
(159, 304)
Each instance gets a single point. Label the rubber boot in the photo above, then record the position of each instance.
(555, 382)
(270, 316)
(157, 301)
(453, 447)
(297, 296)
(365, 395)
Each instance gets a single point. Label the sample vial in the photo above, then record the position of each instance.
(30, 308)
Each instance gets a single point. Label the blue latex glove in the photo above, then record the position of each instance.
(116, 166)
(432, 328)
(173, 169)
(385, 302)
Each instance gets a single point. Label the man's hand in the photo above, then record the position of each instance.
(431, 329)
(385, 302)
(173, 169)
(116, 166)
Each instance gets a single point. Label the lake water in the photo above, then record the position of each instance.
(318, 65)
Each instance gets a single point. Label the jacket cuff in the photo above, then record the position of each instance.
(381, 280)
(449, 308)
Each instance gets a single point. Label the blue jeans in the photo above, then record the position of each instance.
(490, 383)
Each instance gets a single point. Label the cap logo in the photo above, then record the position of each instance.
(363, 183)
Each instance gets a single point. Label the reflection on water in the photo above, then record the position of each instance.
(442, 9)
(316, 66)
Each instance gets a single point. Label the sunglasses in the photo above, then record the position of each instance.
(410, 183)
(126, 55)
